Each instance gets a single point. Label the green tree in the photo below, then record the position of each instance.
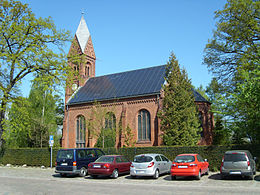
(18, 125)
(244, 107)
(235, 44)
(28, 46)
(102, 125)
(129, 137)
(233, 56)
(179, 115)
(221, 135)
(43, 113)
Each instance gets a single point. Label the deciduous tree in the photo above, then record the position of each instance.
(28, 46)
(233, 56)
(235, 45)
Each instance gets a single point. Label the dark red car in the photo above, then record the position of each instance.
(109, 165)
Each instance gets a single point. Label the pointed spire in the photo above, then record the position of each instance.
(82, 33)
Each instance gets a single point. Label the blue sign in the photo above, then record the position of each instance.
(51, 137)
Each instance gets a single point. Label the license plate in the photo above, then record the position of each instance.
(182, 167)
(97, 166)
(235, 173)
(64, 164)
(139, 171)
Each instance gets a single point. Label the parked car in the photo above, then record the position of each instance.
(109, 165)
(150, 165)
(189, 165)
(238, 162)
(76, 160)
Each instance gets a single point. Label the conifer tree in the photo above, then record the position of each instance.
(179, 115)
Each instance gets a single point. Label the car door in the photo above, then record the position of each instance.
(159, 163)
(166, 164)
(119, 164)
(90, 156)
(125, 164)
(202, 164)
(81, 158)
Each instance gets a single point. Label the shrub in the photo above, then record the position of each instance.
(41, 156)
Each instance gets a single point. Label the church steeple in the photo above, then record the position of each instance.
(82, 57)
(82, 34)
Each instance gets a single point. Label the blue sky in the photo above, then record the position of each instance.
(134, 34)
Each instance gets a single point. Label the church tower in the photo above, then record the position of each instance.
(82, 59)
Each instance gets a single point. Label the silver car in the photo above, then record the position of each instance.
(150, 165)
(238, 162)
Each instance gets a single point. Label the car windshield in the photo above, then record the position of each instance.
(143, 159)
(107, 159)
(184, 159)
(235, 157)
(65, 154)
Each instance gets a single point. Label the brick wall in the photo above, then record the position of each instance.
(127, 111)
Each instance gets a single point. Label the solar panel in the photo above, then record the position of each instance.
(134, 83)
(121, 85)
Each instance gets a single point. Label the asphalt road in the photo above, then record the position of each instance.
(45, 181)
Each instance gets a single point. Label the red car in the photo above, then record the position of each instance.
(189, 165)
(109, 165)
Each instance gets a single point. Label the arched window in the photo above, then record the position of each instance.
(81, 132)
(87, 69)
(144, 126)
(110, 121)
(201, 124)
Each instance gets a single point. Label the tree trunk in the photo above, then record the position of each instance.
(2, 117)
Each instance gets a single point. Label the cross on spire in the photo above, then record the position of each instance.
(82, 12)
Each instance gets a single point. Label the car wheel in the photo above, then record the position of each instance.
(251, 177)
(133, 176)
(94, 176)
(207, 172)
(83, 172)
(156, 174)
(173, 177)
(63, 174)
(199, 176)
(115, 174)
(222, 176)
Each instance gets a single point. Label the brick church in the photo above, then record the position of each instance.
(132, 99)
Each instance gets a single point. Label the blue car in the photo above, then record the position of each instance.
(76, 160)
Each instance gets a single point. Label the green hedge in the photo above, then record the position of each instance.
(214, 154)
(39, 157)
(28, 156)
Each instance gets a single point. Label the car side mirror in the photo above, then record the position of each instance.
(206, 160)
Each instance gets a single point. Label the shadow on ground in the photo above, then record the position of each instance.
(179, 178)
(257, 178)
(232, 177)
(57, 175)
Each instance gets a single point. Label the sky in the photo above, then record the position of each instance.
(135, 34)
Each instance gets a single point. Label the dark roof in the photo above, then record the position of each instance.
(142, 82)
(199, 97)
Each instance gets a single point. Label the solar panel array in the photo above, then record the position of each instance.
(134, 83)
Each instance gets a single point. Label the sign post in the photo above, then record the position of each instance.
(51, 142)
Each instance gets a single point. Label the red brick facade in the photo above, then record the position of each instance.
(125, 110)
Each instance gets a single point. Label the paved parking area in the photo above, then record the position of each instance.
(45, 181)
